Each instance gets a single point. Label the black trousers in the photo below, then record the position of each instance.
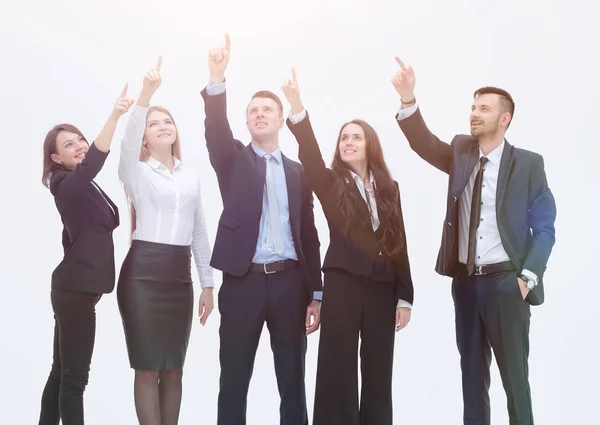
(245, 304)
(491, 314)
(74, 334)
(355, 306)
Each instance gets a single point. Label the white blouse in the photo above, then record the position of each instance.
(168, 206)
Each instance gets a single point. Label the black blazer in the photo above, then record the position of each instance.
(359, 253)
(525, 207)
(241, 178)
(89, 262)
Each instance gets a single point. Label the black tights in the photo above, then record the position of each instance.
(157, 396)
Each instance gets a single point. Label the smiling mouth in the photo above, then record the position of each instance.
(349, 151)
(164, 134)
(261, 124)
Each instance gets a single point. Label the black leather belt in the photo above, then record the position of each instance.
(274, 267)
(493, 268)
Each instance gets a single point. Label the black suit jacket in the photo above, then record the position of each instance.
(359, 253)
(89, 262)
(241, 178)
(525, 207)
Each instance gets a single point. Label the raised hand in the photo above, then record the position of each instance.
(218, 58)
(291, 89)
(123, 104)
(151, 83)
(404, 81)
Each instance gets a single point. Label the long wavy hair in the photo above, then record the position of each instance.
(145, 154)
(386, 194)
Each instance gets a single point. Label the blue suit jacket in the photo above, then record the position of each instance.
(241, 180)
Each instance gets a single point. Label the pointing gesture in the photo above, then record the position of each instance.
(291, 89)
(404, 81)
(152, 81)
(218, 59)
(123, 104)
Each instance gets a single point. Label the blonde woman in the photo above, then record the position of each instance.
(155, 291)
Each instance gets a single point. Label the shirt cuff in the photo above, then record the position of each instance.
(404, 113)
(296, 118)
(530, 275)
(318, 295)
(402, 303)
(215, 89)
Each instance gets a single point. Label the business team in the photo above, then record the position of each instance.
(498, 234)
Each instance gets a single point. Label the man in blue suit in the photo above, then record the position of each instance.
(267, 247)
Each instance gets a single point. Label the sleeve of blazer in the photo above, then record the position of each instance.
(404, 283)
(320, 178)
(66, 185)
(219, 138)
(541, 215)
(425, 143)
(310, 241)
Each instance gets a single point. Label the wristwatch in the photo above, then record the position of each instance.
(529, 282)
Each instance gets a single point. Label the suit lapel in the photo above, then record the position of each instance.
(294, 190)
(261, 172)
(467, 170)
(506, 164)
(113, 210)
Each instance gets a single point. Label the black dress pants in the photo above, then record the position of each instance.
(74, 333)
(353, 307)
(491, 314)
(245, 304)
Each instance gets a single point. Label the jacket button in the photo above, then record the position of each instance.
(449, 224)
(454, 199)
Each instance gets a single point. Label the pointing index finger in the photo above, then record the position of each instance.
(159, 63)
(227, 42)
(294, 76)
(402, 66)
(124, 91)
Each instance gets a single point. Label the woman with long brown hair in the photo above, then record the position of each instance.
(88, 268)
(367, 281)
(155, 293)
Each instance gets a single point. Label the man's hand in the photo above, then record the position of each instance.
(123, 104)
(402, 317)
(206, 305)
(292, 93)
(523, 288)
(404, 81)
(218, 58)
(152, 81)
(314, 311)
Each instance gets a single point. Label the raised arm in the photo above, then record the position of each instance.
(217, 131)
(320, 178)
(410, 120)
(131, 145)
(68, 184)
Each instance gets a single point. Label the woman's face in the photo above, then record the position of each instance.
(71, 149)
(352, 144)
(160, 131)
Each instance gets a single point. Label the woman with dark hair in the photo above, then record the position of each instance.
(155, 293)
(368, 286)
(88, 268)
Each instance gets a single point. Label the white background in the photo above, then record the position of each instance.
(66, 61)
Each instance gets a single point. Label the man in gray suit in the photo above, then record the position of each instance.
(497, 238)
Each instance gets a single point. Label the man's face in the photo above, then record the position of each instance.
(487, 115)
(263, 117)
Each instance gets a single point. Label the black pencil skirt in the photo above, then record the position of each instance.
(156, 301)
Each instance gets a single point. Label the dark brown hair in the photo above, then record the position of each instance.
(269, 95)
(386, 195)
(144, 154)
(506, 100)
(50, 166)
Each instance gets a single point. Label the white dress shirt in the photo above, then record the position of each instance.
(489, 249)
(367, 194)
(168, 205)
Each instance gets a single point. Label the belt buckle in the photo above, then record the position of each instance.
(479, 271)
(265, 269)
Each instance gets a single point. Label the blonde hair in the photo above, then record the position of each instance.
(145, 154)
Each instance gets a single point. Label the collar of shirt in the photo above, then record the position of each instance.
(276, 154)
(359, 181)
(157, 164)
(494, 156)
